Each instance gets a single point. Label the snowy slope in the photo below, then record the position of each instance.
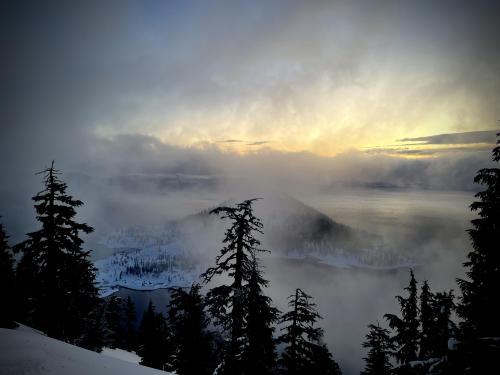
(25, 351)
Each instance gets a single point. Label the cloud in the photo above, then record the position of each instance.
(257, 143)
(231, 141)
(485, 136)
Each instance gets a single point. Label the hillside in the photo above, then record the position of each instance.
(26, 351)
(176, 253)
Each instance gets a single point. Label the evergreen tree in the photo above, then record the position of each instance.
(96, 329)
(130, 331)
(226, 302)
(380, 348)
(56, 277)
(407, 333)
(190, 336)
(6, 282)
(155, 346)
(114, 314)
(479, 306)
(443, 328)
(427, 321)
(259, 356)
(304, 354)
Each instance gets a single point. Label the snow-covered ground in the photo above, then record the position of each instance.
(154, 266)
(26, 351)
(121, 354)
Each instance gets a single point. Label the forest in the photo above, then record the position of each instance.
(226, 323)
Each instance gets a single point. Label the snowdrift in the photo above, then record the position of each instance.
(26, 351)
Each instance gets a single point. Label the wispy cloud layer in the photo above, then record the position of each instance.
(485, 136)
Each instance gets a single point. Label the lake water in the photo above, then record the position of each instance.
(425, 223)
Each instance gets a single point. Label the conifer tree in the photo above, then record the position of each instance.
(94, 335)
(226, 302)
(304, 352)
(407, 333)
(7, 311)
(380, 348)
(114, 314)
(130, 331)
(427, 321)
(259, 355)
(190, 336)
(155, 345)
(443, 328)
(56, 277)
(480, 304)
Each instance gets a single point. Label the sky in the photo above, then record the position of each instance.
(319, 76)
(153, 108)
(387, 93)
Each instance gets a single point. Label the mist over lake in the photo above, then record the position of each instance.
(429, 225)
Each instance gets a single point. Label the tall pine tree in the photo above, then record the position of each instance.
(427, 321)
(304, 353)
(227, 302)
(55, 275)
(155, 340)
(114, 319)
(7, 311)
(480, 304)
(259, 355)
(130, 331)
(191, 338)
(407, 326)
(380, 347)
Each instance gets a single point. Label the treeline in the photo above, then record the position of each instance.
(424, 339)
(230, 330)
(234, 328)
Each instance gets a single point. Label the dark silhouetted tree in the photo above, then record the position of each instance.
(56, 277)
(259, 355)
(114, 319)
(193, 349)
(227, 302)
(7, 311)
(407, 332)
(427, 321)
(444, 328)
(130, 331)
(480, 303)
(304, 353)
(155, 340)
(380, 347)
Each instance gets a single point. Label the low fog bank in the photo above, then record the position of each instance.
(432, 225)
(135, 178)
(138, 181)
